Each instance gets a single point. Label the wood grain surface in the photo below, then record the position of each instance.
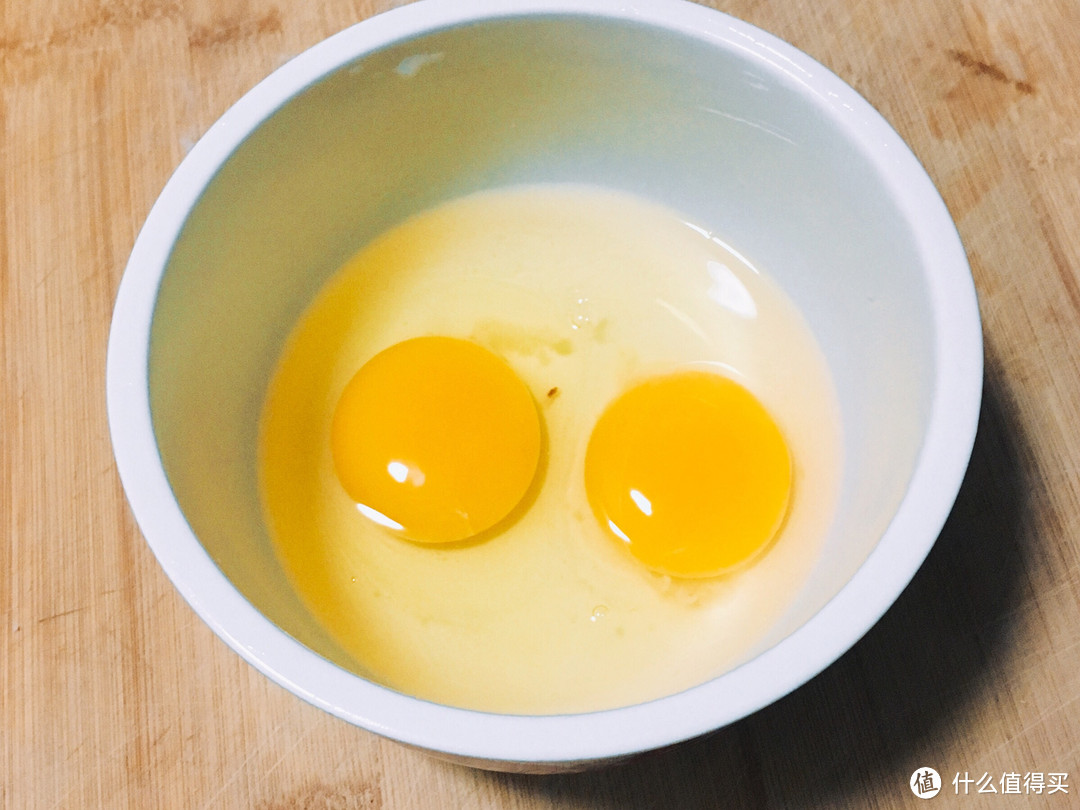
(114, 694)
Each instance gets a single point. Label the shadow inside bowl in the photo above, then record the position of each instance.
(914, 675)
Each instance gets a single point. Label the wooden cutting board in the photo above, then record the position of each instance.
(114, 694)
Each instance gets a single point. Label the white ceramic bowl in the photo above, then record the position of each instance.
(662, 98)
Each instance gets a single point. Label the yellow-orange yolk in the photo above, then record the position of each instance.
(690, 472)
(437, 438)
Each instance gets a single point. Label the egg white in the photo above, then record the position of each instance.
(584, 291)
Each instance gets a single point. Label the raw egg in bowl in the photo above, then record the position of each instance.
(541, 383)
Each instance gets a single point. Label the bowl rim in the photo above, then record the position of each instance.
(612, 733)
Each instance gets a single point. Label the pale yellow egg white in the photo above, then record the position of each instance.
(583, 291)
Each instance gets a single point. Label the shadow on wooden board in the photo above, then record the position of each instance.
(910, 681)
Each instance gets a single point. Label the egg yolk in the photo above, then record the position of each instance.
(436, 438)
(690, 472)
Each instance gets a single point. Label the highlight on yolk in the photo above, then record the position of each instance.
(437, 438)
(690, 471)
